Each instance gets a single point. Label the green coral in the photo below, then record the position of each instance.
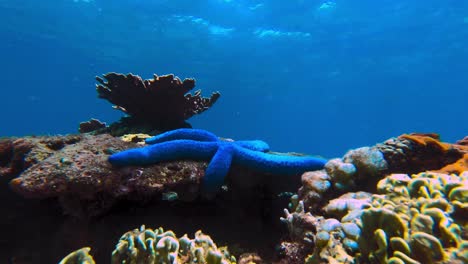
(148, 246)
(158, 246)
(414, 220)
(80, 256)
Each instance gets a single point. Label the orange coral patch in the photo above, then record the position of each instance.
(429, 139)
(457, 167)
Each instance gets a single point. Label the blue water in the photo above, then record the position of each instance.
(318, 77)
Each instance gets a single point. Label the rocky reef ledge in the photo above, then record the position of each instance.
(401, 201)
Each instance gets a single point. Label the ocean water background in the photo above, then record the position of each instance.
(310, 76)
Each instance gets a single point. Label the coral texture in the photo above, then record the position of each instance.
(362, 168)
(413, 153)
(18, 154)
(420, 218)
(164, 102)
(75, 169)
(148, 246)
(91, 125)
(394, 218)
(86, 184)
(80, 256)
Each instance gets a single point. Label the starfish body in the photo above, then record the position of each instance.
(196, 144)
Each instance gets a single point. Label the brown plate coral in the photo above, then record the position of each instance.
(163, 102)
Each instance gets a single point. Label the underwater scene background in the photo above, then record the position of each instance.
(325, 131)
(326, 71)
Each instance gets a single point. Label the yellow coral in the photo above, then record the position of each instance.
(147, 246)
(422, 227)
(80, 256)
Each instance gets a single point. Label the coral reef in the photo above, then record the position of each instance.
(75, 169)
(163, 102)
(413, 153)
(86, 184)
(18, 154)
(91, 126)
(402, 201)
(327, 237)
(414, 219)
(362, 168)
(462, 142)
(80, 256)
(411, 206)
(148, 246)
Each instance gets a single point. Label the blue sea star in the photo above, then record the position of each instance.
(197, 144)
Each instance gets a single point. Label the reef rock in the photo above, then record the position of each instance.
(78, 173)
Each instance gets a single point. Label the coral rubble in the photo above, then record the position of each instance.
(163, 102)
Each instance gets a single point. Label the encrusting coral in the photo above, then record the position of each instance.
(163, 102)
(148, 246)
(362, 168)
(414, 219)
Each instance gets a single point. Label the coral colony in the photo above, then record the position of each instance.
(401, 201)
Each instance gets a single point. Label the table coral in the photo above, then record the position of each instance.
(163, 102)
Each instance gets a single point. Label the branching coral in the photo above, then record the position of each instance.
(163, 102)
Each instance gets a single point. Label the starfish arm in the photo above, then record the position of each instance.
(165, 151)
(183, 133)
(276, 164)
(217, 170)
(256, 145)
